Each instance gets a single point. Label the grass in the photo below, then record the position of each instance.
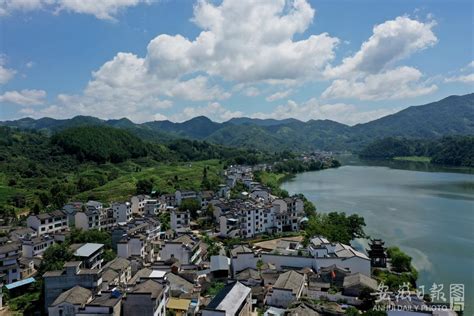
(414, 158)
(119, 182)
(167, 179)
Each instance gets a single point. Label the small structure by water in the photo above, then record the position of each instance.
(377, 253)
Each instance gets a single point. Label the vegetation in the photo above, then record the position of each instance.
(451, 150)
(337, 227)
(452, 115)
(39, 172)
(401, 262)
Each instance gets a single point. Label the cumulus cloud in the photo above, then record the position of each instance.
(24, 97)
(314, 109)
(103, 9)
(390, 42)
(370, 73)
(260, 47)
(398, 83)
(215, 111)
(6, 74)
(279, 95)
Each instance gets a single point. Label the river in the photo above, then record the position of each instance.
(427, 211)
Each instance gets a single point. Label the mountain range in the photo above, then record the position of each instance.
(453, 115)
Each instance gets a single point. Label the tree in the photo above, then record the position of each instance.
(213, 247)
(401, 262)
(144, 186)
(192, 205)
(55, 256)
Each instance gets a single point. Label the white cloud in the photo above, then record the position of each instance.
(259, 47)
(24, 97)
(461, 78)
(251, 92)
(279, 95)
(398, 83)
(6, 74)
(314, 109)
(29, 64)
(214, 111)
(101, 9)
(390, 42)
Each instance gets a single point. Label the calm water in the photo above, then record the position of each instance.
(428, 213)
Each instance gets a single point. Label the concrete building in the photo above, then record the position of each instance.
(107, 303)
(146, 298)
(122, 212)
(234, 299)
(69, 302)
(185, 248)
(179, 220)
(116, 273)
(9, 265)
(73, 274)
(287, 289)
(138, 203)
(36, 246)
(90, 254)
(48, 223)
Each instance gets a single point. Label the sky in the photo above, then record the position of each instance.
(347, 61)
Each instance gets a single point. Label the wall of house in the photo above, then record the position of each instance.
(243, 261)
(280, 298)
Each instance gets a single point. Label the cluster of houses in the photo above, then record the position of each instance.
(172, 271)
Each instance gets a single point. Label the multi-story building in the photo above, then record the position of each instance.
(9, 266)
(138, 203)
(122, 212)
(146, 298)
(90, 254)
(186, 249)
(179, 220)
(73, 274)
(48, 223)
(36, 246)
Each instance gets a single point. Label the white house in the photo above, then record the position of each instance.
(146, 298)
(179, 220)
(48, 223)
(287, 289)
(36, 246)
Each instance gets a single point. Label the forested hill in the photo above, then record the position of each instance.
(453, 115)
(450, 150)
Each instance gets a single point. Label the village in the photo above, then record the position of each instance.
(209, 259)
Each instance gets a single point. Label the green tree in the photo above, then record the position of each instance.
(54, 257)
(401, 262)
(144, 186)
(192, 205)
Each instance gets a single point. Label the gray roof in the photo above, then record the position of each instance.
(76, 296)
(149, 286)
(118, 264)
(290, 280)
(247, 274)
(240, 249)
(219, 263)
(87, 250)
(178, 283)
(230, 298)
(359, 279)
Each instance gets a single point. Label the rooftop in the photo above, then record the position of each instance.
(86, 250)
(76, 296)
(230, 298)
(290, 280)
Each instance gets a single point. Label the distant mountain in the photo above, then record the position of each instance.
(453, 115)
(449, 116)
(260, 122)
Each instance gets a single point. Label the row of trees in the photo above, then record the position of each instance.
(450, 150)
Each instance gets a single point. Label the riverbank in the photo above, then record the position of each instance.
(427, 214)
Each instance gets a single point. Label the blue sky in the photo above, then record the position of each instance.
(349, 61)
